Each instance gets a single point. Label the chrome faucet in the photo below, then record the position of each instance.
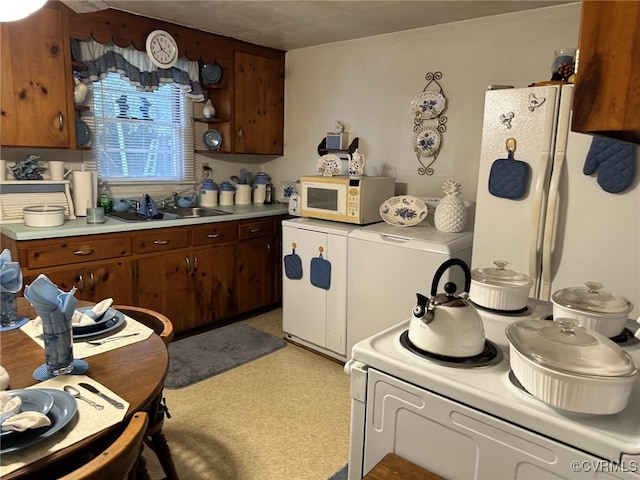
(170, 200)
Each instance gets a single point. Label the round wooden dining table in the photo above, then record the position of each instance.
(136, 372)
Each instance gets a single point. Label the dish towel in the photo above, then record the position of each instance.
(11, 418)
(615, 162)
(148, 208)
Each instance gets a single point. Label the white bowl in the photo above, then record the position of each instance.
(608, 325)
(43, 215)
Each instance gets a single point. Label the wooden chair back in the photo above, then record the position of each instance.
(119, 458)
(152, 319)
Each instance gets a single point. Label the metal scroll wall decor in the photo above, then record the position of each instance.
(429, 123)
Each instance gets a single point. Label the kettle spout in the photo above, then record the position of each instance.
(423, 310)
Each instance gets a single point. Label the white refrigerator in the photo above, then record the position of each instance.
(562, 229)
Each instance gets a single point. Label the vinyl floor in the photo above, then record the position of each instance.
(284, 416)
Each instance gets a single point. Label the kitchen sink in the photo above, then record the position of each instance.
(168, 213)
(192, 212)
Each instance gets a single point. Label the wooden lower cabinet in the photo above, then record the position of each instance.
(255, 274)
(197, 276)
(193, 288)
(96, 282)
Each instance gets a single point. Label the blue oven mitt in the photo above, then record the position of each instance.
(615, 162)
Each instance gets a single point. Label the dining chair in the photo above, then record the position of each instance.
(118, 460)
(153, 437)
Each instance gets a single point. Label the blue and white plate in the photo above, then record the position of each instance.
(211, 73)
(427, 141)
(115, 321)
(285, 190)
(105, 321)
(428, 104)
(403, 211)
(64, 409)
(83, 134)
(212, 139)
(33, 400)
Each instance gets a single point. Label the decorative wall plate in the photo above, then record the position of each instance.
(403, 211)
(211, 73)
(329, 165)
(212, 139)
(429, 104)
(285, 190)
(427, 141)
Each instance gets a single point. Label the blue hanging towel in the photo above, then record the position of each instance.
(320, 272)
(293, 265)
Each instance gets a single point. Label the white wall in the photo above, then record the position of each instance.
(369, 83)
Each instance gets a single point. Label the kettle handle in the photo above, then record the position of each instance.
(445, 266)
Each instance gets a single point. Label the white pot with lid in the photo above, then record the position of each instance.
(570, 367)
(593, 307)
(499, 288)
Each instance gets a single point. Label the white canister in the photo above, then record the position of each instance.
(226, 193)
(209, 193)
(243, 194)
(259, 193)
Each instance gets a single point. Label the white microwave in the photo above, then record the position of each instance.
(345, 199)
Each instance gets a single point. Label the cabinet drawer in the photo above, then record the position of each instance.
(263, 228)
(75, 251)
(161, 239)
(214, 233)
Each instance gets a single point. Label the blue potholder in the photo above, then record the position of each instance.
(320, 272)
(293, 266)
(509, 178)
(615, 162)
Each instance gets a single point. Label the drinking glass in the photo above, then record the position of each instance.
(8, 312)
(58, 347)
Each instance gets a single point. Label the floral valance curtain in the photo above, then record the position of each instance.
(136, 67)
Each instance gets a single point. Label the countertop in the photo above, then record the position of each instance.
(79, 226)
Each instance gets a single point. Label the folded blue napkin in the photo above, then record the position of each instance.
(51, 304)
(10, 273)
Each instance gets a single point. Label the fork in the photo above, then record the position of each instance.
(111, 339)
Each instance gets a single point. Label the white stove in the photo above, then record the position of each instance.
(474, 422)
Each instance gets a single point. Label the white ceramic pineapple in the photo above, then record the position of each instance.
(451, 212)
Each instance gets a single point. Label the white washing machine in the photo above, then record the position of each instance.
(388, 265)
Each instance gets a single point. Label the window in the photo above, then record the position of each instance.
(141, 136)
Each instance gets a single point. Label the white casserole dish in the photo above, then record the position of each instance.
(570, 367)
(593, 307)
(43, 215)
(498, 288)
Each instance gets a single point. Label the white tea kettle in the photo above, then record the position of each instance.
(446, 324)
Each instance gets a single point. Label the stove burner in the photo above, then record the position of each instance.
(491, 355)
(507, 313)
(516, 382)
(624, 338)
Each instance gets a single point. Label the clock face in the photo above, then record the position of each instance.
(162, 49)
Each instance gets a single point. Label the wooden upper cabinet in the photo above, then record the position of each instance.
(258, 104)
(607, 87)
(37, 88)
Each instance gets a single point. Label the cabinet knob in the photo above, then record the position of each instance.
(160, 242)
(195, 263)
(80, 283)
(187, 263)
(240, 133)
(82, 253)
(60, 121)
(214, 235)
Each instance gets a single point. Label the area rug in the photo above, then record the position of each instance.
(202, 356)
(341, 474)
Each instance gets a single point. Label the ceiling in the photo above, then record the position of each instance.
(292, 24)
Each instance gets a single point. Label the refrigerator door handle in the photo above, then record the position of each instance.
(537, 219)
(550, 223)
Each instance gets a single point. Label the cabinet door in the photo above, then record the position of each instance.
(258, 104)
(304, 306)
(97, 282)
(255, 273)
(37, 106)
(212, 277)
(163, 284)
(607, 88)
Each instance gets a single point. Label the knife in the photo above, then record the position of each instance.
(93, 389)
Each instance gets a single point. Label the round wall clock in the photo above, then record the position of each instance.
(162, 49)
